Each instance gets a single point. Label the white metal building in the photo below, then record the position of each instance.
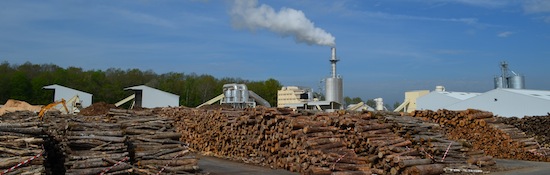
(440, 99)
(62, 92)
(509, 102)
(149, 97)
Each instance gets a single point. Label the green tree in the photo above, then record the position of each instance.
(20, 87)
(371, 103)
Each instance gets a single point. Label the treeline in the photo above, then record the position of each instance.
(25, 82)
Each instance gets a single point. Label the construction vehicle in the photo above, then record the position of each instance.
(51, 105)
(75, 105)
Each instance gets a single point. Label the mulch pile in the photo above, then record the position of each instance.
(100, 108)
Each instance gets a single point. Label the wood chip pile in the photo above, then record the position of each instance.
(322, 143)
(485, 132)
(21, 138)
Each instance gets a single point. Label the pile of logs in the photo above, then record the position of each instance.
(21, 139)
(485, 132)
(92, 145)
(321, 143)
(533, 126)
(154, 143)
(431, 140)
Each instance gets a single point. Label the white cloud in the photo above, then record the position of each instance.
(536, 6)
(505, 34)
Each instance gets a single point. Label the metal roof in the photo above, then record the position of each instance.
(534, 93)
(508, 102)
(56, 86)
(143, 87)
(458, 95)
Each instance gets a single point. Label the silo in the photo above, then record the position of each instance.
(516, 82)
(499, 82)
(334, 90)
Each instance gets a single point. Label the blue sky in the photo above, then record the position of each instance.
(386, 47)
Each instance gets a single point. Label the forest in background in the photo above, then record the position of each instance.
(25, 82)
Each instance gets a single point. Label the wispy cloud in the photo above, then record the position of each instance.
(505, 34)
(483, 3)
(144, 18)
(536, 6)
(421, 18)
(450, 52)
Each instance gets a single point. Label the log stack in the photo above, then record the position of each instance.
(21, 139)
(485, 132)
(533, 126)
(277, 138)
(431, 140)
(154, 143)
(93, 145)
(320, 143)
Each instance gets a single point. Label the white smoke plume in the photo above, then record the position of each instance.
(286, 22)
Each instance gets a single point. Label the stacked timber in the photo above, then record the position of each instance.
(533, 126)
(320, 143)
(431, 140)
(485, 132)
(154, 143)
(21, 139)
(278, 138)
(93, 145)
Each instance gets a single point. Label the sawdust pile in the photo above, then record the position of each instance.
(16, 105)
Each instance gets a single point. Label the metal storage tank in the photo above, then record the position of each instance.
(499, 82)
(516, 82)
(334, 91)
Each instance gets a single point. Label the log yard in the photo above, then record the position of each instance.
(112, 118)
(301, 135)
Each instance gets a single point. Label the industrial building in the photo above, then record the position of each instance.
(508, 102)
(148, 97)
(294, 96)
(508, 99)
(74, 96)
(409, 104)
(301, 98)
(238, 96)
(440, 99)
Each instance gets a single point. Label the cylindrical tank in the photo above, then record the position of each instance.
(334, 90)
(499, 82)
(516, 82)
(379, 104)
(440, 88)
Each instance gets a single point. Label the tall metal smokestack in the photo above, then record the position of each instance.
(334, 85)
(333, 61)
